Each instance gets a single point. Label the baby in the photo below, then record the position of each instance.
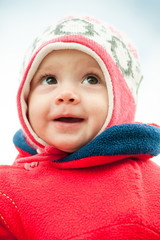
(68, 101)
(83, 170)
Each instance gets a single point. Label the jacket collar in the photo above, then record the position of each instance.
(139, 141)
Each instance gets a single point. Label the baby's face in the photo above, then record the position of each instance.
(68, 101)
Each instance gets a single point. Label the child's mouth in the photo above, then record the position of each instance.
(69, 120)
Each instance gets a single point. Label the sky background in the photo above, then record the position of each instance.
(21, 21)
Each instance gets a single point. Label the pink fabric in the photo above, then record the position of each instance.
(112, 201)
(48, 153)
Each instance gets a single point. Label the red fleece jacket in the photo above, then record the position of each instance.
(119, 199)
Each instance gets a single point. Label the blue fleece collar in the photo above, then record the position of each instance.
(125, 139)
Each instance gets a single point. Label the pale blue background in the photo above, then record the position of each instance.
(21, 21)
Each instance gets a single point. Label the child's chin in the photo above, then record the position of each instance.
(69, 144)
(68, 148)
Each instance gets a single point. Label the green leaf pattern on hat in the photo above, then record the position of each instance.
(121, 52)
(81, 27)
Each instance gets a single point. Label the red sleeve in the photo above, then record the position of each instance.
(5, 234)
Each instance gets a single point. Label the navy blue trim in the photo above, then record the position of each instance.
(20, 142)
(125, 139)
(122, 139)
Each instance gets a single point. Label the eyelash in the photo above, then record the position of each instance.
(44, 76)
(47, 77)
(92, 76)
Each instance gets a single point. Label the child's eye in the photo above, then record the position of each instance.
(91, 80)
(49, 80)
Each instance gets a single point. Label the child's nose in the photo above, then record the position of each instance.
(67, 97)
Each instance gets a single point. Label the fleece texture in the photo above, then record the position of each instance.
(108, 191)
